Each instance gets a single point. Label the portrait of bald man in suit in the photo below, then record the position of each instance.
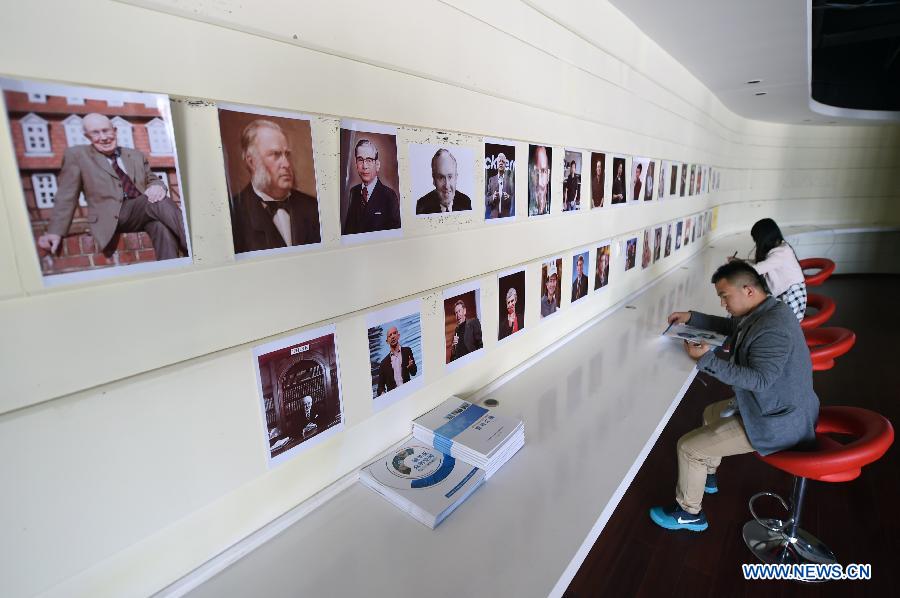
(122, 194)
(445, 197)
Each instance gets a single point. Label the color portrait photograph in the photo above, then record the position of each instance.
(657, 243)
(601, 275)
(650, 181)
(299, 388)
(499, 180)
(673, 179)
(668, 249)
(511, 303)
(678, 229)
(551, 293)
(663, 179)
(683, 170)
(540, 157)
(630, 253)
(462, 324)
(442, 178)
(619, 180)
(395, 352)
(571, 184)
(271, 176)
(99, 173)
(640, 168)
(370, 203)
(581, 265)
(598, 179)
(646, 249)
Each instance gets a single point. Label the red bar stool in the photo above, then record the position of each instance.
(827, 344)
(825, 307)
(824, 265)
(778, 541)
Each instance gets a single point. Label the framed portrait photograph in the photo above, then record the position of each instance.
(370, 203)
(571, 184)
(298, 380)
(619, 181)
(499, 179)
(271, 175)
(551, 293)
(601, 274)
(511, 303)
(100, 178)
(395, 352)
(598, 179)
(540, 159)
(463, 341)
(630, 253)
(442, 178)
(581, 265)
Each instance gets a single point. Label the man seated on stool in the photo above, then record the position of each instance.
(770, 371)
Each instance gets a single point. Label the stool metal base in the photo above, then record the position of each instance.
(777, 547)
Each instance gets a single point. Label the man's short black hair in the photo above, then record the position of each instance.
(739, 273)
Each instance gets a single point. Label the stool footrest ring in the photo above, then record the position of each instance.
(775, 525)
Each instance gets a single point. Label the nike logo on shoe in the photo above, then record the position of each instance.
(680, 520)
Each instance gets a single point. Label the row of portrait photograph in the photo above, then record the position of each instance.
(102, 186)
(298, 377)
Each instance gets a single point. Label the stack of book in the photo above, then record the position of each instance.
(471, 433)
(422, 481)
(455, 447)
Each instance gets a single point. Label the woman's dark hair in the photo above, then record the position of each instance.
(767, 237)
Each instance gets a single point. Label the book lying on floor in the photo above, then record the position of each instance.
(472, 433)
(422, 481)
(691, 334)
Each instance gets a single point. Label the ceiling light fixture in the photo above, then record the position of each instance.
(760, 93)
(754, 81)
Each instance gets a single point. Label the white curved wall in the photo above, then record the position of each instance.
(135, 453)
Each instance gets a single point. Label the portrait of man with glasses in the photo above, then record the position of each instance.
(372, 205)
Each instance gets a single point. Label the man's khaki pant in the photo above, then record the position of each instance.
(700, 452)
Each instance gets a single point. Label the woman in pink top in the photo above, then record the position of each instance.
(776, 261)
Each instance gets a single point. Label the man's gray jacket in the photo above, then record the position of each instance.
(770, 372)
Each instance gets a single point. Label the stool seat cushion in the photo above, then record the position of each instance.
(826, 344)
(824, 265)
(831, 460)
(825, 307)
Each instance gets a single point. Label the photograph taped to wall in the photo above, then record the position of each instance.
(657, 243)
(601, 274)
(673, 179)
(100, 178)
(646, 249)
(650, 181)
(511, 303)
(682, 170)
(685, 241)
(662, 179)
(462, 324)
(698, 183)
(442, 178)
(499, 179)
(571, 184)
(630, 253)
(370, 204)
(668, 249)
(298, 379)
(619, 180)
(581, 265)
(598, 179)
(271, 176)
(551, 293)
(540, 159)
(639, 169)
(395, 352)
(692, 177)
(678, 230)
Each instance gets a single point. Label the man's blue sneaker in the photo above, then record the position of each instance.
(712, 485)
(675, 517)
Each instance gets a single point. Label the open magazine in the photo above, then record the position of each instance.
(693, 334)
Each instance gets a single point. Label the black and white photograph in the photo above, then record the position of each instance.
(100, 179)
(271, 177)
(668, 249)
(395, 352)
(499, 179)
(370, 202)
(298, 379)
(442, 178)
(657, 243)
